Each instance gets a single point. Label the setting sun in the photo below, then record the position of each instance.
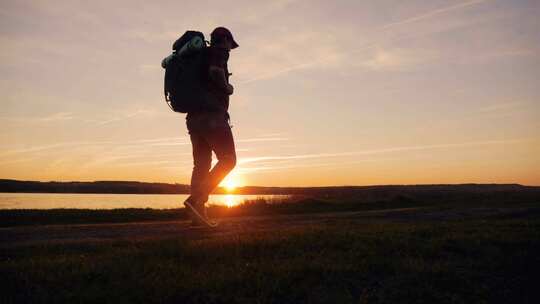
(231, 182)
(230, 186)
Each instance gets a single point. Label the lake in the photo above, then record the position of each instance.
(112, 201)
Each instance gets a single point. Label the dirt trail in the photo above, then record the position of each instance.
(77, 233)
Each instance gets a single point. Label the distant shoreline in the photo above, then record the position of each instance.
(134, 187)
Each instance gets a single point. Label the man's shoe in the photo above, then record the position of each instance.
(202, 210)
(199, 212)
(195, 223)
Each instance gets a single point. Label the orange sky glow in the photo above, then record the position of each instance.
(326, 92)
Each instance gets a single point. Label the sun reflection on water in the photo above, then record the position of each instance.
(232, 200)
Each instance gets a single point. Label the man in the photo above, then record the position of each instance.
(209, 128)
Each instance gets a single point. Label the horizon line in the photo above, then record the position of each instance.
(246, 186)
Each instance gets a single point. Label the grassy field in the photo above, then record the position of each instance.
(291, 205)
(431, 254)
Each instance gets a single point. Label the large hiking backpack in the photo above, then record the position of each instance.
(186, 73)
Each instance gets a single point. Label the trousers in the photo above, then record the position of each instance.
(210, 132)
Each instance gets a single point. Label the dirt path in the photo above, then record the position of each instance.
(32, 235)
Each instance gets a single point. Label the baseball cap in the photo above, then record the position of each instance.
(223, 32)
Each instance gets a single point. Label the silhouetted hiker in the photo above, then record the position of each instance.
(209, 128)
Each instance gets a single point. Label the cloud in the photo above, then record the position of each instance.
(255, 12)
(156, 163)
(35, 149)
(60, 116)
(272, 134)
(16, 161)
(153, 36)
(53, 117)
(286, 52)
(178, 141)
(328, 51)
(124, 116)
(171, 143)
(147, 144)
(160, 140)
(395, 59)
(247, 160)
(262, 139)
(494, 53)
(501, 107)
(75, 144)
(243, 170)
(431, 14)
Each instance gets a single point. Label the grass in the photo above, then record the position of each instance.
(493, 259)
(473, 261)
(261, 206)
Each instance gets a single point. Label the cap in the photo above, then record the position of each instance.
(219, 32)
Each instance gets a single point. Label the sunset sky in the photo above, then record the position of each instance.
(326, 92)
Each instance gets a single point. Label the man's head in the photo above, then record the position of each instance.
(222, 37)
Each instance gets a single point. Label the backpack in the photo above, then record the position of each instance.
(186, 70)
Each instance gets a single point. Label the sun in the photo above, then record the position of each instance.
(230, 185)
(231, 182)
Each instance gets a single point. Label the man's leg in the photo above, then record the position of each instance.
(222, 143)
(202, 161)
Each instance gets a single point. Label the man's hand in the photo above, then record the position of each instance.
(218, 76)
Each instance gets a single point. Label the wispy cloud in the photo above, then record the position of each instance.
(155, 163)
(394, 59)
(78, 144)
(247, 160)
(501, 107)
(262, 139)
(271, 134)
(334, 56)
(160, 140)
(124, 116)
(431, 14)
(148, 144)
(52, 117)
(286, 70)
(34, 149)
(62, 116)
(269, 168)
(153, 36)
(171, 143)
(16, 161)
(181, 141)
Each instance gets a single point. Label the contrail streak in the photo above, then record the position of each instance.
(380, 151)
(432, 13)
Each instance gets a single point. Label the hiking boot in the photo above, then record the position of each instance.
(195, 222)
(201, 208)
(190, 204)
(197, 207)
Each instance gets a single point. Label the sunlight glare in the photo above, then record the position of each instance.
(231, 200)
(231, 182)
(230, 185)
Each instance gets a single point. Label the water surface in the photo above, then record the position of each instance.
(112, 201)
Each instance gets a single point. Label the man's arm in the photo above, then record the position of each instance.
(218, 76)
